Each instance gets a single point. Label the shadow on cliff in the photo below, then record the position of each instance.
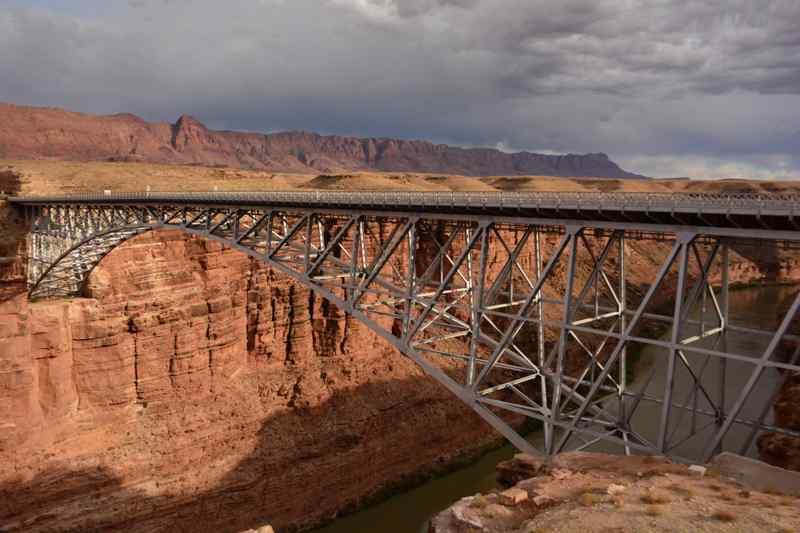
(12, 240)
(308, 464)
(765, 255)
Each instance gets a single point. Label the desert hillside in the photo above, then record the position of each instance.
(49, 133)
(36, 177)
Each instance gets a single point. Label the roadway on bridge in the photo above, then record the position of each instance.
(778, 212)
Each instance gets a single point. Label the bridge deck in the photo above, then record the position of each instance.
(744, 211)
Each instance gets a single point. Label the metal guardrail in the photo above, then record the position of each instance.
(768, 204)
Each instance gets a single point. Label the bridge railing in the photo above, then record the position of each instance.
(781, 203)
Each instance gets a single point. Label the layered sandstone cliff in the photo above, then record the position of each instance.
(32, 133)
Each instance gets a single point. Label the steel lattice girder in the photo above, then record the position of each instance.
(507, 319)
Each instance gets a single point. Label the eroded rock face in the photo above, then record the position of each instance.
(18, 402)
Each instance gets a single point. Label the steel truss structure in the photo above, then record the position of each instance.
(520, 316)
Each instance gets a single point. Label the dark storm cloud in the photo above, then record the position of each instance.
(711, 87)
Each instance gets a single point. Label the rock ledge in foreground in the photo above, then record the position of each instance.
(585, 492)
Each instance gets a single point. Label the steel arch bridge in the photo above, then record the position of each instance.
(519, 304)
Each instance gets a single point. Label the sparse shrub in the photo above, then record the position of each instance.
(588, 499)
(647, 474)
(654, 510)
(492, 511)
(724, 516)
(655, 497)
(744, 493)
(535, 529)
(687, 492)
(479, 502)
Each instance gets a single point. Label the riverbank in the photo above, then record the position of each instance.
(588, 492)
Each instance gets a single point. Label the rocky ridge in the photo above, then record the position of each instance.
(35, 133)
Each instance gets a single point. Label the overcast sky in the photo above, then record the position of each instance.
(701, 88)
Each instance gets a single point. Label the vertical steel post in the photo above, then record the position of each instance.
(566, 317)
(677, 326)
(540, 347)
(362, 243)
(268, 251)
(321, 232)
(723, 361)
(477, 302)
(307, 254)
(623, 323)
(411, 277)
(236, 220)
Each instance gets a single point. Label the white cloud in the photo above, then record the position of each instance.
(771, 167)
(374, 9)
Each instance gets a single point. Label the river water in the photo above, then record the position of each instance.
(410, 511)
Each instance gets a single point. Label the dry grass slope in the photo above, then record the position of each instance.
(48, 177)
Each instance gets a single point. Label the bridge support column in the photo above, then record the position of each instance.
(725, 323)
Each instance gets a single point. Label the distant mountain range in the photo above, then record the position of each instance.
(38, 133)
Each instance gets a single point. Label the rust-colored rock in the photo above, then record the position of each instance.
(780, 450)
(784, 450)
(32, 132)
